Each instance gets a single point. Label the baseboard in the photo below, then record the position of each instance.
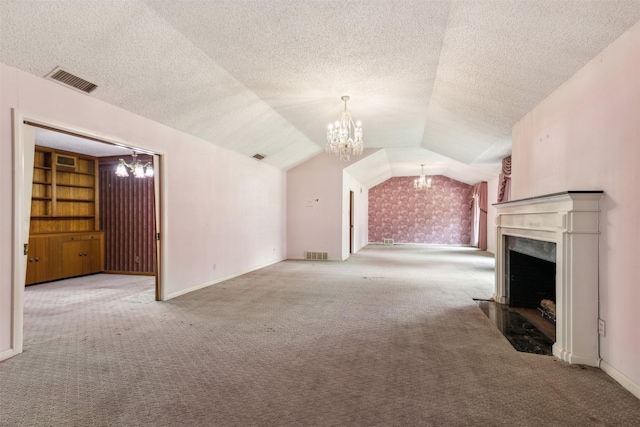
(622, 379)
(221, 279)
(463, 245)
(7, 354)
(129, 273)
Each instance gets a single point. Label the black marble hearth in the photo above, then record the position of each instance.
(522, 334)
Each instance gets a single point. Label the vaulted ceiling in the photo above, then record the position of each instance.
(434, 82)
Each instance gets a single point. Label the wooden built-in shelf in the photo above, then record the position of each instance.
(61, 216)
(75, 185)
(66, 199)
(64, 207)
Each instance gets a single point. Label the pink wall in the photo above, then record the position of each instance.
(228, 211)
(586, 136)
(318, 204)
(440, 215)
(314, 207)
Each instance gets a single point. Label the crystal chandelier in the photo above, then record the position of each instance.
(422, 183)
(138, 169)
(344, 138)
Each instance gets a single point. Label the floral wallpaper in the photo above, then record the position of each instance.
(441, 214)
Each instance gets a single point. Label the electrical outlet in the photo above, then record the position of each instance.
(214, 267)
(136, 259)
(601, 327)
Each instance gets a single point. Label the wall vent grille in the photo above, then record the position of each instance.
(66, 78)
(316, 256)
(388, 242)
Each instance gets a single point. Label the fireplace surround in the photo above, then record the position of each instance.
(570, 220)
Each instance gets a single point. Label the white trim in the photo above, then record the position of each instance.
(7, 354)
(221, 279)
(573, 358)
(622, 379)
(18, 261)
(159, 213)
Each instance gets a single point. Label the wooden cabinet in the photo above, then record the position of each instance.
(61, 255)
(64, 240)
(82, 254)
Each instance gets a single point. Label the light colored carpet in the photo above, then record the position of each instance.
(390, 337)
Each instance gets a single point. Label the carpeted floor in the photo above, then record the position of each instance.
(390, 337)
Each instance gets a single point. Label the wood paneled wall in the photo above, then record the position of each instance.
(127, 219)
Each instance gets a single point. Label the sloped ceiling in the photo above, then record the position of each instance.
(434, 82)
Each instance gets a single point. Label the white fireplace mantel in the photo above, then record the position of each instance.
(571, 221)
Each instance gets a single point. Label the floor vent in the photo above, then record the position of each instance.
(259, 156)
(316, 256)
(388, 242)
(61, 76)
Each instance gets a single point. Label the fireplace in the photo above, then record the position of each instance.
(560, 232)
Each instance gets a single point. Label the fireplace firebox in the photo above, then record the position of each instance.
(531, 280)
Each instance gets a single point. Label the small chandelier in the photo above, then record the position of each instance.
(138, 169)
(422, 183)
(344, 138)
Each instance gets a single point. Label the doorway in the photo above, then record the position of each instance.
(25, 129)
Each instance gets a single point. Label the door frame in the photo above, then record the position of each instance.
(351, 220)
(24, 146)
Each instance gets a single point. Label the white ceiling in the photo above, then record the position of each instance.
(434, 82)
(75, 144)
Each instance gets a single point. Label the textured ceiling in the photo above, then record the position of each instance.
(434, 82)
(63, 141)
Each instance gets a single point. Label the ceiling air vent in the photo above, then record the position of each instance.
(61, 76)
(259, 156)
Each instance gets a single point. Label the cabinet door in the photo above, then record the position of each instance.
(73, 258)
(43, 260)
(36, 261)
(93, 261)
(52, 259)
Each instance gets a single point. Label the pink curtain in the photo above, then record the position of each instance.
(504, 182)
(479, 215)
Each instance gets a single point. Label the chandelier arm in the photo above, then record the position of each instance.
(135, 164)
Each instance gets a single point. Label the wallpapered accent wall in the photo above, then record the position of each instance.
(127, 219)
(440, 215)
